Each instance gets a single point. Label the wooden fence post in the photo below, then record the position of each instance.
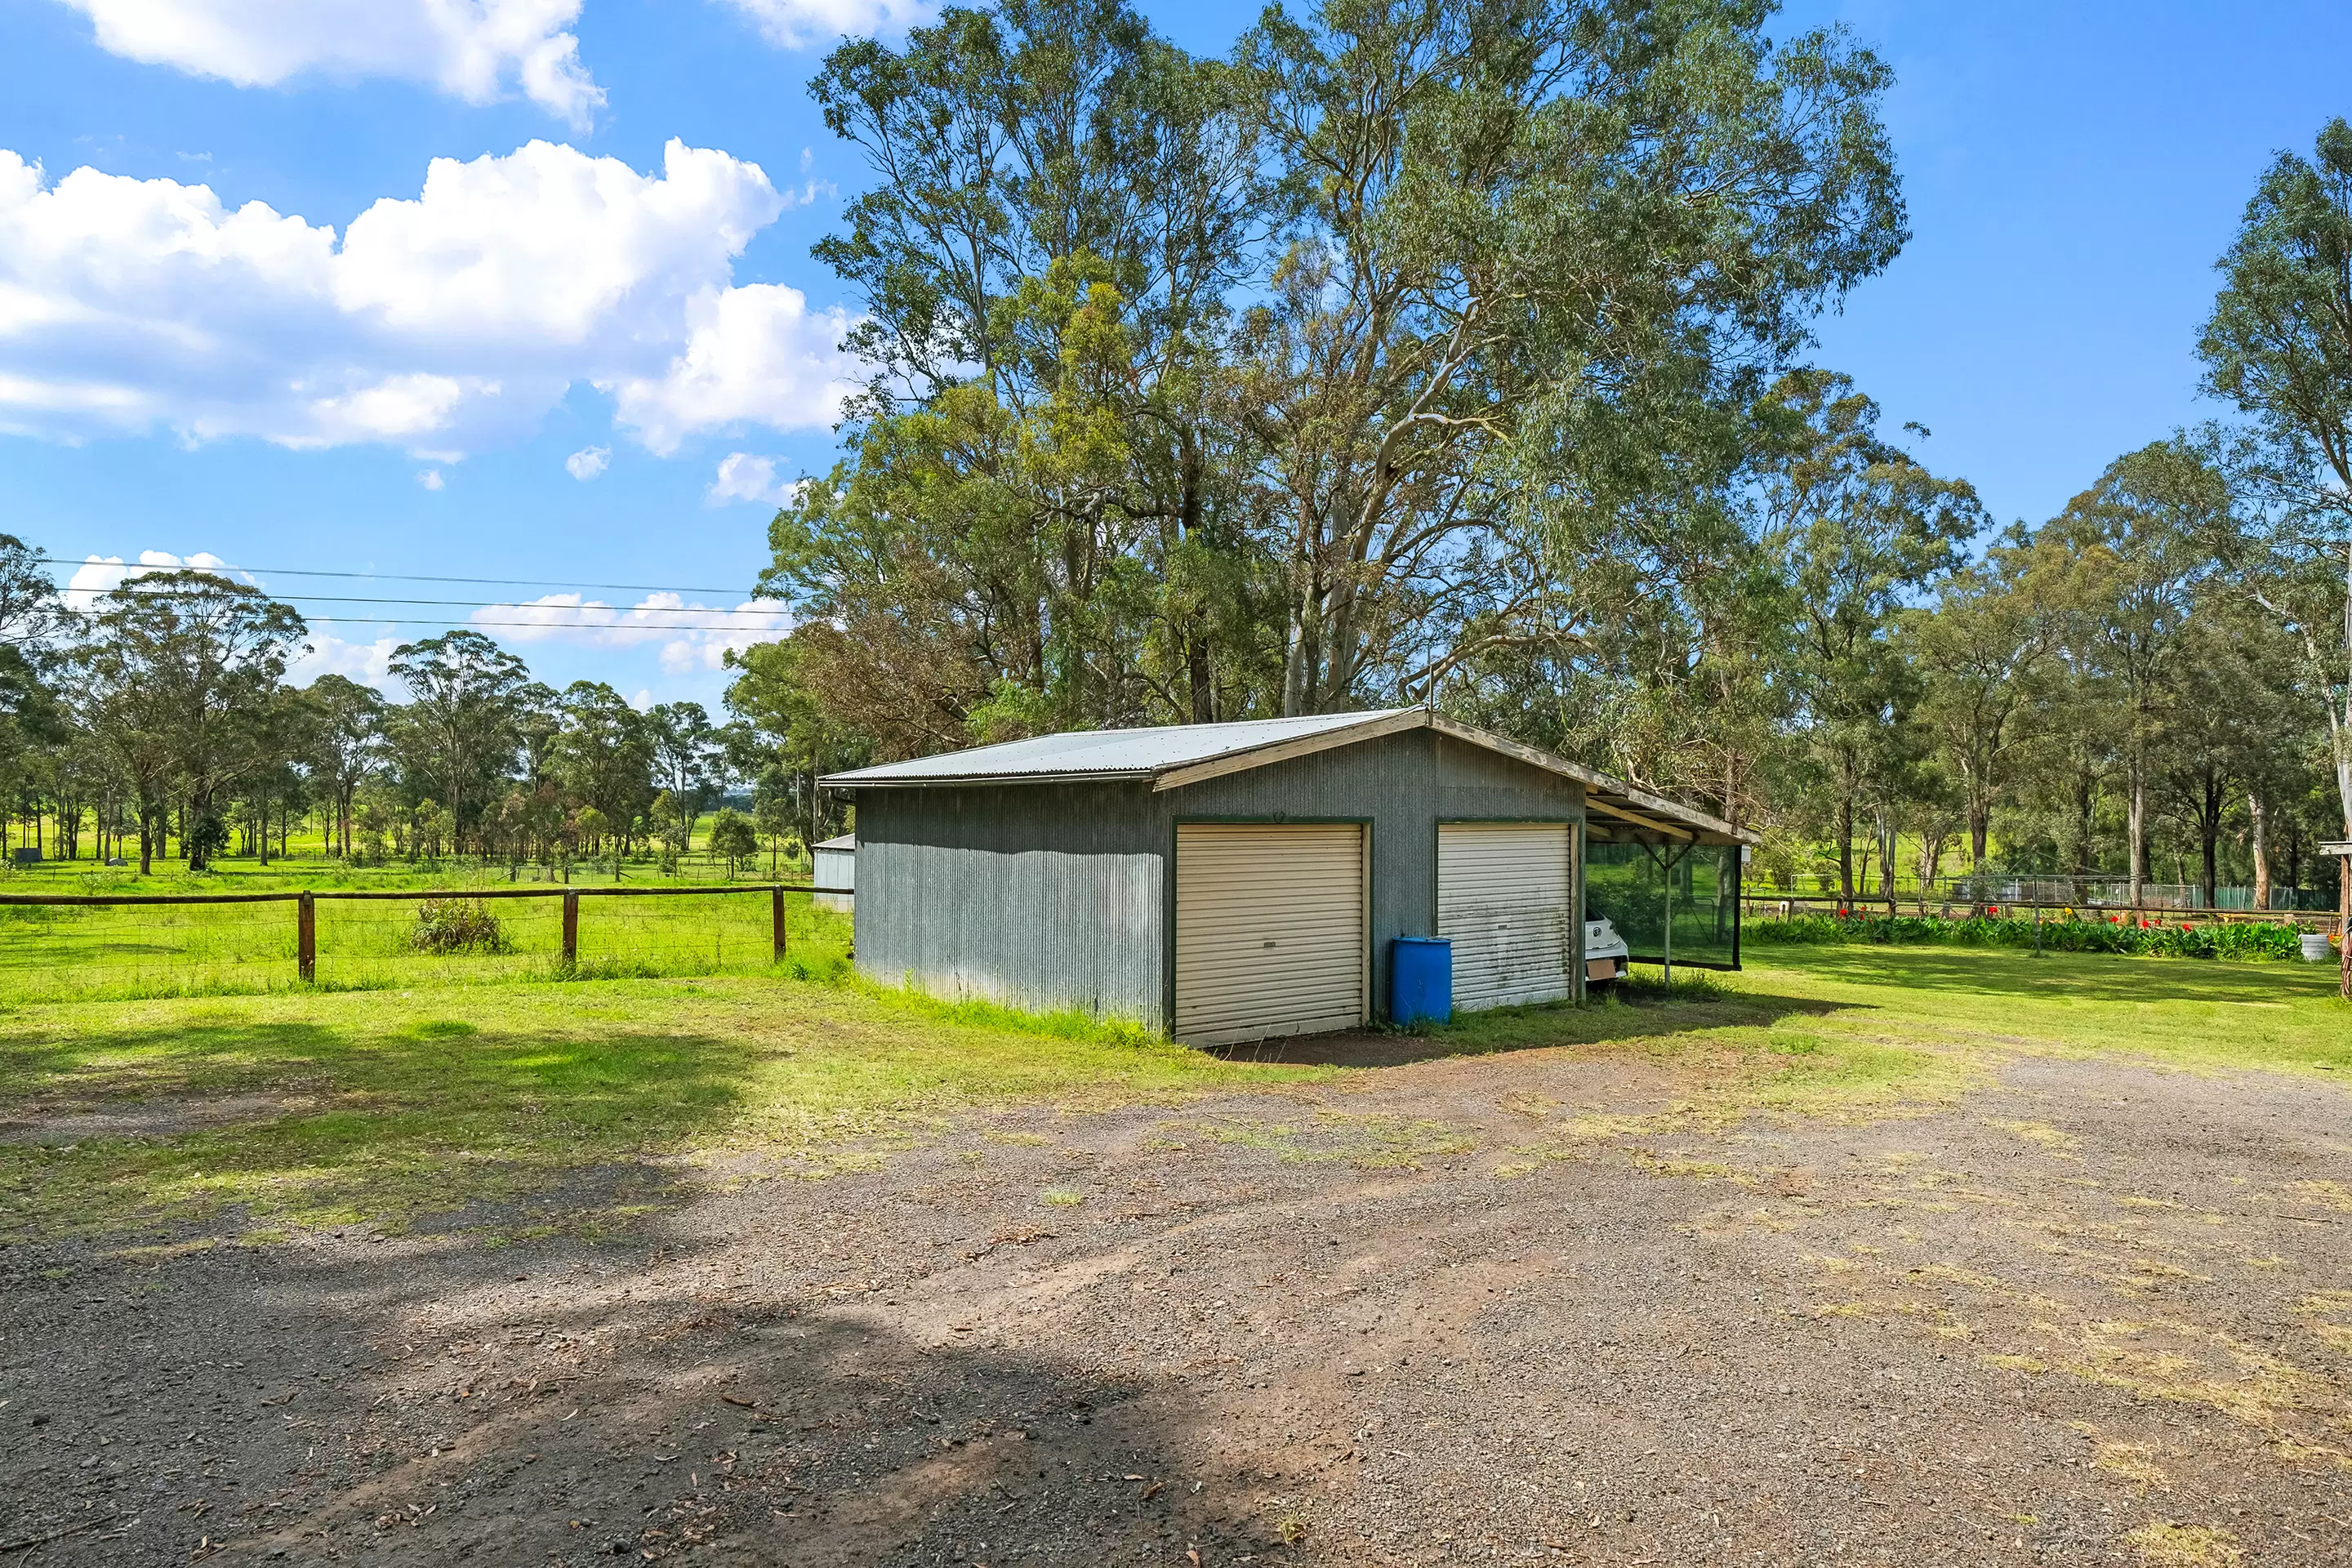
(571, 930)
(777, 911)
(306, 938)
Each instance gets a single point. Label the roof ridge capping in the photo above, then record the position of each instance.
(1147, 751)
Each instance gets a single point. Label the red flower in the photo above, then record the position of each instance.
(1992, 909)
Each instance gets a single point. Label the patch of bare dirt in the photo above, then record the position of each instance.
(1511, 1309)
(66, 1124)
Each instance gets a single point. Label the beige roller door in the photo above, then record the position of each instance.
(1269, 929)
(1505, 898)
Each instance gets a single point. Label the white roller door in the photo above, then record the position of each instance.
(1504, 900)
(1269, 929)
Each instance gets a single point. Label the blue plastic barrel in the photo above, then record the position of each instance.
(1421, 981)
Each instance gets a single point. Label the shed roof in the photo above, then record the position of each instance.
(1104, 753)
(1172, 756)
(845, 841)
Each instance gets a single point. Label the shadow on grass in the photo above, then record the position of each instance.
(319, 1125)
(2100, 977)
(324, 1110)
(1629, 1011)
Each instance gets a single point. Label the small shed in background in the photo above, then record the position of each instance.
(1235, 883)
(835, 873)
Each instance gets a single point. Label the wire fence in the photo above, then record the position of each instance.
(62, 948)
(28, 870)
(2105, 890)
(2021, 901)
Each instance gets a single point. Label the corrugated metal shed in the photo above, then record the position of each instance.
(834, 864)
(1236, 881)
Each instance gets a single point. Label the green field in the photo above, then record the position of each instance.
(518, 1108)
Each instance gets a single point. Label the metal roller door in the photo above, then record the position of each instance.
(1505, 899)
(1270, 936)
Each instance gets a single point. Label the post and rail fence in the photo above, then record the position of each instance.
(64, 946)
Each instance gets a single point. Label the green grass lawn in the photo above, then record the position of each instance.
(388, 1106)
(1859, 1028)
(568, 1105)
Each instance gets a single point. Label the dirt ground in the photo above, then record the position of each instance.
(1519, 1308)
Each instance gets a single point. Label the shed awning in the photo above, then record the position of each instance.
(1175, 755)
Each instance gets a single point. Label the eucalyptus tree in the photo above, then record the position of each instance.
(1200, 390)
(1041, 521)
(2138, 545)
(183, 668)
(1658, 658)
(345, 736)
(685, 753)
(1545, 254)
(772, 698)
(539, 722)
(30, 721)
(457, 736)
(1986, 650)
(604, 755)
(1863, 530)
(30, 610)
(2279, 346)
(2231, 715)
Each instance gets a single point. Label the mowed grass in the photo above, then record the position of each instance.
(326, 1109)
(507, 1109)
(1837, 1029)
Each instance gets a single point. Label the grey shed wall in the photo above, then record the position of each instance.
(1048, 895)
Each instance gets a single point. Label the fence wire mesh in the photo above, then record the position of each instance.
(60, 952)
(129, 949)
(1640, 888)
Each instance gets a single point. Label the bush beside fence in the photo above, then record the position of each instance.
(2234, 940)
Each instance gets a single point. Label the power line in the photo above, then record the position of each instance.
(536, 625)
(493, 605)
(141, 567)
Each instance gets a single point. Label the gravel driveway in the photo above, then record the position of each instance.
(1523, 1308)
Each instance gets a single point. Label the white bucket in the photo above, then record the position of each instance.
(2316, 947)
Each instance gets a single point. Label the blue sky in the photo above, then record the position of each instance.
(404, 397)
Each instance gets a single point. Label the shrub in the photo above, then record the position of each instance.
(2073, 933)
(733, 838)
(458, 925)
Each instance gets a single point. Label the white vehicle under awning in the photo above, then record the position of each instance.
(1605, 954)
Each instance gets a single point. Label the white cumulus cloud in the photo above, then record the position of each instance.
(369, 663)
(588, 462)
(478, 50)
(743, 476)
(103, 573)
(439, 323)
(755, 355)
(691, 636)
(796, 24)
(431, 478)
